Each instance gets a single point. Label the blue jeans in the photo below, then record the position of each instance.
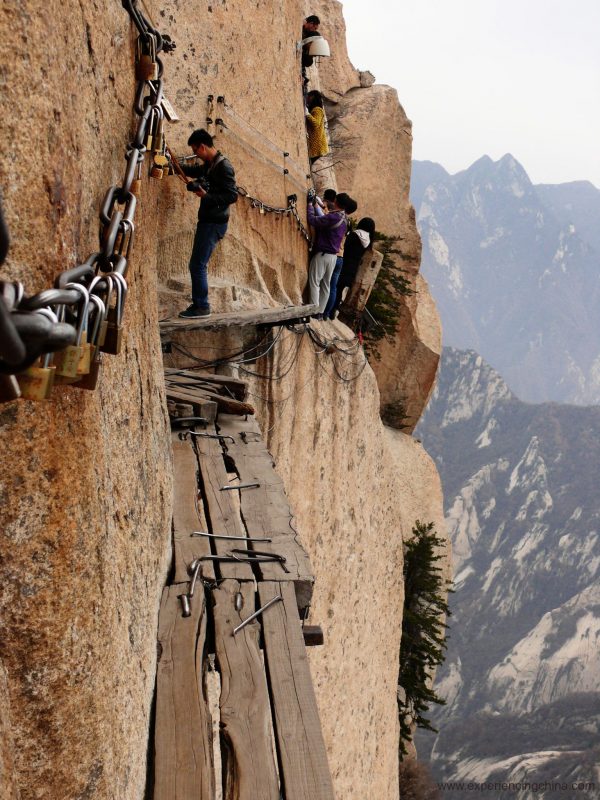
(333, 287)
(208, 234)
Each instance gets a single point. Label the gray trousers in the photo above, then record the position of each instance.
(319, 277)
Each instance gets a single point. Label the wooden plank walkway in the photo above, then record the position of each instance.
(187, 512)
(182, 741)
(265, 509)
(258, 316)
(304, 770)
(271, 745)
(249, 770)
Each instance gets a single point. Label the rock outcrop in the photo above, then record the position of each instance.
(86, 478)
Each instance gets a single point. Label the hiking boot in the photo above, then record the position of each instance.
(192, 312)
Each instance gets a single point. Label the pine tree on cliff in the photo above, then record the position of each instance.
(423, 644)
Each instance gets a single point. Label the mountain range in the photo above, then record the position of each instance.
(515, 271)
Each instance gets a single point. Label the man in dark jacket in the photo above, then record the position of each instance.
(214, 182)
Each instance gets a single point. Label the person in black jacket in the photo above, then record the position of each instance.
(214, 182)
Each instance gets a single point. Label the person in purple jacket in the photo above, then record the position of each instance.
(330, 230)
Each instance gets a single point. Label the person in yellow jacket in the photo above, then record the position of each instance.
(315, 126)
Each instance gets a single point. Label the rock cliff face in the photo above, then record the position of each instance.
(85, 480)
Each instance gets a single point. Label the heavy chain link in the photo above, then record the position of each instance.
(85, 309)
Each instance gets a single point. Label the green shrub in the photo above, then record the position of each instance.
(380, 319)
(423, 644)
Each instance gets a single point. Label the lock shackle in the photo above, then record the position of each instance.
(100, 316)
(120, 286)
(12, 292)
(119, 265)
(80, 273)
(50, 297)
(85, 303)
(49, 314)
(98, 281)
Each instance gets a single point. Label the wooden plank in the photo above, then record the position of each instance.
(202, 407)
(249, 770)
(238, 318)
(222, 511)
(196, 395)
(185, 512)
(358, 294)
(266, 510)
(303, 767)
(182, 741)
(237, 387)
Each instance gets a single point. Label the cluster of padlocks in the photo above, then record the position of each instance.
(59, 335)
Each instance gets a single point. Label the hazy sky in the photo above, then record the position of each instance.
(490, 77)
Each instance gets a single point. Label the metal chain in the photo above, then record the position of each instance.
(87, 301)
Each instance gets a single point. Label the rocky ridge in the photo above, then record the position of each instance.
(514, 270)
(523, 516)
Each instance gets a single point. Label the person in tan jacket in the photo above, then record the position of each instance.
(315, 126)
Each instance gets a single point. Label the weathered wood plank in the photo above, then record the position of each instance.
(266, 509)
(358, 294)
(303, 767)
(249, 771)
(238, 318)
(197, 394)
(237, 387)
(202, 407)
(182, 741)
(222, 510)
(186, 506)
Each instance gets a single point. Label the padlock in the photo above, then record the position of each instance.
(69, 359)
(90, 380)
(85, 360)
(156, 172)
(114, 331)
(146, 68)
(160, 160)
(101, 283)
(136, 185)
(9, 388)
(36, 382)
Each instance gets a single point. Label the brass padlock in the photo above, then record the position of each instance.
(68, 361)
(156, 172)
(136, 185)
(90, 379)
(36, 382)
(85, 360)
(9, 388)
(114, 332)
(101, 283)
(146, 68)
